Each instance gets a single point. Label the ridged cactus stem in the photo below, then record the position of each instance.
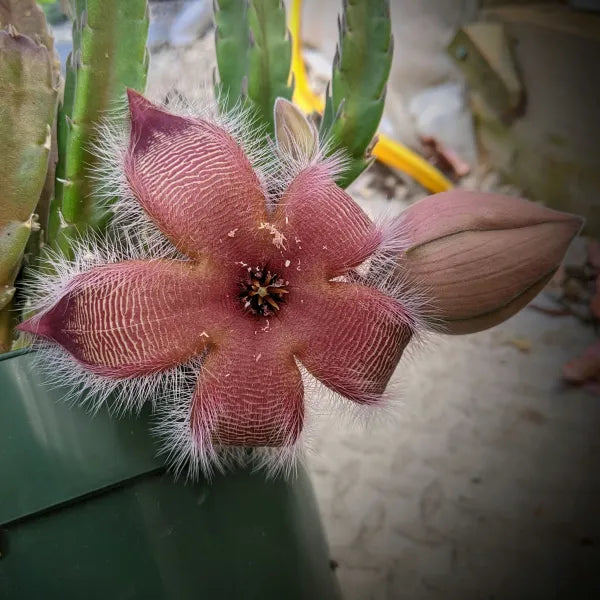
(269, 59)
(65, 109)
(232, 43)
(27, 110)
(361, 68)
(109, 55)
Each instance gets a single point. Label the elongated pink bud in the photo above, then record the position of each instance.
(482, 257)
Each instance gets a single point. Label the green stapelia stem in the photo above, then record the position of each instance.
(360, 71)
(27, 107)
(232, 43)
(269, 59)
(109, 55)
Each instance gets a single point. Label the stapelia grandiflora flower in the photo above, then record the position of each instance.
(237, 277)
(263, 282)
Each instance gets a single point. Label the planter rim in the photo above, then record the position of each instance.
(13, 353)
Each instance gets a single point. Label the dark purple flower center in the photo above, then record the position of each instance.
(263, 292)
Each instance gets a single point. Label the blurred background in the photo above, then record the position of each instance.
(483, 480)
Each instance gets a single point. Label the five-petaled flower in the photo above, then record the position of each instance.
(260, 288)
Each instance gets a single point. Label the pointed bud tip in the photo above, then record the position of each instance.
(283, 106)
(563, 230)
(577, 223)
(483, 257)
(295, 134)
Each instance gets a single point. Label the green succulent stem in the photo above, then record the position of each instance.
(361, 68)
(254, 57)
(109, 54)
(232, 44)
(269, 59)
(27, 109)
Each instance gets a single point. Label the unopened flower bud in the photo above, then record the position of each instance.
(480, 258)
(296, 136)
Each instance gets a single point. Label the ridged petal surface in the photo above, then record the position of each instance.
(324, 227)
(352, 338)
(195, 182)
(134, 317)
(250, 391)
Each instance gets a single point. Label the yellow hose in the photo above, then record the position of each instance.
(386, 150)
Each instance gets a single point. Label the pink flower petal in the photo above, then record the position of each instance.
(250, 392)
(134, 317)
(353, 337)
(194, 181)
(324, 227)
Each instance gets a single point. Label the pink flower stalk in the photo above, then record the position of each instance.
(259, 274)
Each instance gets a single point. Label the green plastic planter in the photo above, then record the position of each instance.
(87, 511)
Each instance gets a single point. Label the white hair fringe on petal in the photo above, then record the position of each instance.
(274, 168)
(193, 453)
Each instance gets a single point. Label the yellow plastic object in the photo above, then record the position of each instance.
(386, 150)
(400, 157)
(304, 97)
